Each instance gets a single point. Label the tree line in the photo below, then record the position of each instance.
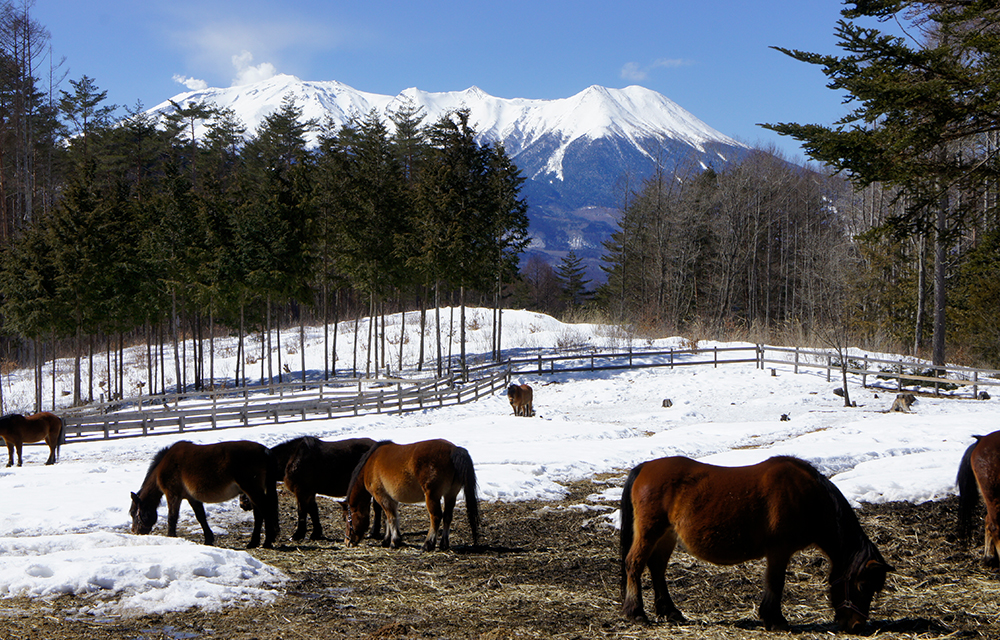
(148, 229)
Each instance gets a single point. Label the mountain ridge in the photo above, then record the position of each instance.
(573, 151)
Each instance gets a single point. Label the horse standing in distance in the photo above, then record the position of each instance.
(520, 396)
(979, 476)
(17, 429)
(729, 515)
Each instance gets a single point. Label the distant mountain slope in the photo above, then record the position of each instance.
(574, 151)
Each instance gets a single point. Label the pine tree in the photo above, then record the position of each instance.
(920, 112)
(574, 285)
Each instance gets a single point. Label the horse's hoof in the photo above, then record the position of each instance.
(673, 617)
(317, 536)
(299, 536)
(777, 625)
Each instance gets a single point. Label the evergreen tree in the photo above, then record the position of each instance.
(919, 111)
(574, 285)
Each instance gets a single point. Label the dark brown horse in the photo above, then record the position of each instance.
(201, 473)
(427, 471)
(520, 397)
(312, 467)
(979, 475)
(729, 515)
(16, 429)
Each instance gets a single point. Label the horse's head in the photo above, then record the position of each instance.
(852, 595)
(143, 515)
(512, 391)
(356, 515)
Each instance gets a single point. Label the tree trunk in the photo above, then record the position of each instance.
(940, 296)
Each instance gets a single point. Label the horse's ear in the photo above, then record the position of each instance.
(343, 505)
(135, 497)
(885, 566)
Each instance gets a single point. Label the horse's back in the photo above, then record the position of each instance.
(728, 515)
(407, 471)
(213, 472)
(325, 467)
(985, 463)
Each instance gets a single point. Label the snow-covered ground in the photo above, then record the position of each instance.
(65, 527)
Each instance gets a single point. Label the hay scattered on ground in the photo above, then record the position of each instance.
(550, 571)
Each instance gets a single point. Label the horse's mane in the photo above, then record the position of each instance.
(855, 545)
(361, 464)
(157, 459)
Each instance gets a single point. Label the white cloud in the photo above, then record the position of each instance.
(194, 84)
(247, 73)
(633, 72)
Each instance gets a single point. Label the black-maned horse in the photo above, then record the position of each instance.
(312, 466)
(432, 471)
(201, 473)
(729, 515)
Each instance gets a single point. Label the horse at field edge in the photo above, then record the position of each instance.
(979, 477)
(17, 429)
(729, 515)
(431, 471)
(201, 473)
(520, 396)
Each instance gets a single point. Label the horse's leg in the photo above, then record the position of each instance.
(992, 537)
(643, 547)
(259, 513)
(376, 530)
(774, 585)
(663, 604)
(393, 538)
(302, 508)
(434, 512)
(19, 446)
(10, 453)
(199, 512)
(53, 443)
(449, 512)
(173, 513)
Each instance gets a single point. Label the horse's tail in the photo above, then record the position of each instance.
(283, 452)
(627, 522)
(968, 493)
(62, 436)
(467, 474)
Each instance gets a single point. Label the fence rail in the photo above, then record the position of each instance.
(356, 396)
(269, 404)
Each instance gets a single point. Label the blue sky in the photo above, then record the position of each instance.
(712, 58)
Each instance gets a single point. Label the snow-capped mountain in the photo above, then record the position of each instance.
(575, 151)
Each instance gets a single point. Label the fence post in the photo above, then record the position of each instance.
(715, 357)
(399, 390)
(796, 359)
(899, 377)
(671, 357)
(975, 385)
(864, 375)
(829, 363)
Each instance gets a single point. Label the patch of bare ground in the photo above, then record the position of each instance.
(547, 570)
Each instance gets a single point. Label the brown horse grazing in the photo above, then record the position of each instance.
(979, 475)
(16, 429)
(313, 467)
(729, 515)
(520, 398)
(201, 473)
(420, 472)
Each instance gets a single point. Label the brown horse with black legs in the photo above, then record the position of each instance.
(520, 396)
(729, 515)
(16, 429)
(979, 475)
(431, 471)
(312, 466)
(201, 473)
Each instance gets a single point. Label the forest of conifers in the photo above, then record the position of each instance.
(118, 228)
